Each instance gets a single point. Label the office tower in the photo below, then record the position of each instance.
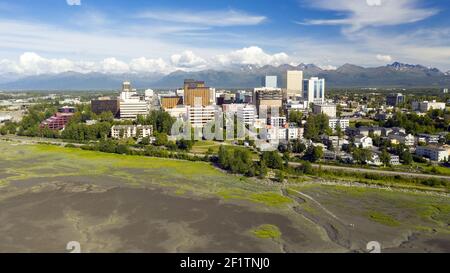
(131, 104)
(246, 114)
(199, 116)
(126, 86)
(294, 83)
(270, 82)
(105, 104)
(395, 99)
(267, 98)
(314, 90)
(197, 94)
(169, 102)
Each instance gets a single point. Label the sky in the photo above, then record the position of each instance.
(120, 36)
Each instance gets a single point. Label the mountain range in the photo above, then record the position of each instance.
(249, 76)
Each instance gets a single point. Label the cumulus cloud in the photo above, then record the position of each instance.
(73, 2)
(252, 55)
(205, 18)
(384, 58)
(187, 59)
(362, 14)
(149, 65)
(31, 63)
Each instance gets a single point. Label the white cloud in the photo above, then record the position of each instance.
(252, 55)
(205, 18)
(361, 14)
(73, 2)
(149, 65)
(384, 58)
(188, 59)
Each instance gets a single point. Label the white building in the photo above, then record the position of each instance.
(131, 104)
(325, 108)
(199, 116)
(246, 114)
(314, 90)
(426, 106)
(434, 153)
(294, 83)
(277, 121)
(294, 133)
(343, 123)
(364, 142)
(395, 160)
(129, 131)
(178, 112)
(401, 138)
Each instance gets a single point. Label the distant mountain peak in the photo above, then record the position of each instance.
(410, 67)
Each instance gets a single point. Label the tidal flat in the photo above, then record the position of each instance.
(52, 195)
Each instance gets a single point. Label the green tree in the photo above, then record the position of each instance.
(273, 160)
(385, 158)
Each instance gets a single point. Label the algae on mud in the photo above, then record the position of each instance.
(118, 203)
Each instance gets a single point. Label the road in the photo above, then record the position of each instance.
(294, 164)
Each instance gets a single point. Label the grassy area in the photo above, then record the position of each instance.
(271, 199)
(202, 147)
(382, 218)
(267, 232)
(181, 177)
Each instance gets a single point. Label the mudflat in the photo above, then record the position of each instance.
(50, 196)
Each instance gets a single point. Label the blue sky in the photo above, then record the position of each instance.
(52, 36)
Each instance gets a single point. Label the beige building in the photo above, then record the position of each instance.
(327, 109)
(170, 102)
(294, 83)
(197, 94)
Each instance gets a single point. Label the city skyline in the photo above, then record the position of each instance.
(165, 36)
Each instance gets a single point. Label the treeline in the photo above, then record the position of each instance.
(434, 121)
(118, 147)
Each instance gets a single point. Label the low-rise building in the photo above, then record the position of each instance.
(426, 106)
(364, 142)
(395, 160)
(131, 131)
(401, 138)
(434, 153)
(59, 120)
(277, 121)
(343, 124)
(325, 108)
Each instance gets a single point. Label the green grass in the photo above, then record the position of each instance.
(271, 199)
(202, 147)
(383, 219)
(267, 232)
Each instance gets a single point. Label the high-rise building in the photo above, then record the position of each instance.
(294, 85)
(267, 98)
(199, 116)
(314, 90)
(395, 99)
(197, 94)
(131, 104)
(105, 104)
(246, 114)
(126, 86)
(169, 102)
(270, 82)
